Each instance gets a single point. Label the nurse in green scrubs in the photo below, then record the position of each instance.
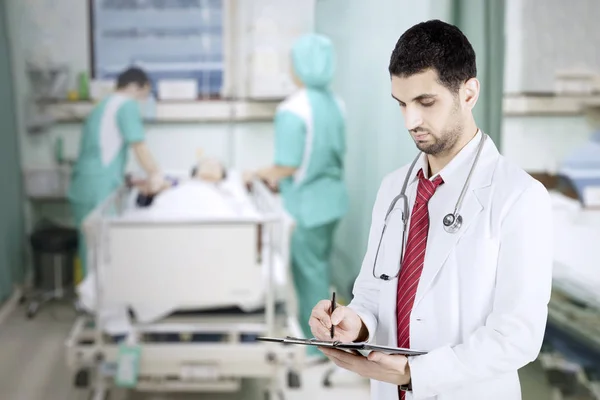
(310, 144)
(113, 127)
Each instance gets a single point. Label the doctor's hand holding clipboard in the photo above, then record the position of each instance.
(346, 326)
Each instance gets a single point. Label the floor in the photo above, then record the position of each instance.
(32, 367)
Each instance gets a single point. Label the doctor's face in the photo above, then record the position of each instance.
(432, 113)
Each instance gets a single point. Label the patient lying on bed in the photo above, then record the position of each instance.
(209, 170)
(191, 199)
(201, 198)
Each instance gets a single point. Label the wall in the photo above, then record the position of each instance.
(56, 31)
(538, 43)
(539, 144)
(549, 35)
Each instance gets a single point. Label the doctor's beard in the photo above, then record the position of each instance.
(441, 143)
(445, 141)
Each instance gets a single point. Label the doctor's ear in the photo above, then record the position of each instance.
(470, 92)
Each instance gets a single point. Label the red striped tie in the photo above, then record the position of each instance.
(414, 258)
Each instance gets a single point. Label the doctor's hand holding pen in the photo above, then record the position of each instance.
(349, 327)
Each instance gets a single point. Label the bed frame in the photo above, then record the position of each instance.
(205, 269)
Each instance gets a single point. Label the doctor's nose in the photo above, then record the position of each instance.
(412, 119)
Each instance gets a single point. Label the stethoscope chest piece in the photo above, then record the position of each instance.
(452, 223)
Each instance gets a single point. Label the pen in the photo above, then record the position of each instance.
(332, 310)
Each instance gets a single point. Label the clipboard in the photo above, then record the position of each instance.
(352, 346)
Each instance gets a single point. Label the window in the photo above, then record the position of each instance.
(169, 39)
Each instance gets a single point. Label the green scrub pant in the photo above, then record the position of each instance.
(311, 251)
(80, 212)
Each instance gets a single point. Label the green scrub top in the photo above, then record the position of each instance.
(310, 135)
(111, 127)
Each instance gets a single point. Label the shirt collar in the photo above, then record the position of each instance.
(460, 160)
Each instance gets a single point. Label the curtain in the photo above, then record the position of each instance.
(483, 23)
(11, 201)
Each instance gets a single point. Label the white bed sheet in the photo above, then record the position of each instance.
(196, 199)
(189, 200)
(576, 249)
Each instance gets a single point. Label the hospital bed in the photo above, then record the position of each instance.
(192, 280)
(571, 351)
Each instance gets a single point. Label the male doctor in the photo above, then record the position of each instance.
(476, 299)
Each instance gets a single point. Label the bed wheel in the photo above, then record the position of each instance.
(293, 380)
(82, 378)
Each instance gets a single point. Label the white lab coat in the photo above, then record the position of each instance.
(481, 304)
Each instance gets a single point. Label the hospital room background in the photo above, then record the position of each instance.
(539, 64)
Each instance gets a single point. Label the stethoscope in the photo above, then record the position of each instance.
(452, 222)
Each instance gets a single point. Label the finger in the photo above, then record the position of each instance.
(333, 355)
(334, 360)
(322, 317)
(375, 356)
(317, 320)
(321, 333)
(324, 305)
(349, 361)
(390, 361)
(338, 315)
(344, 355)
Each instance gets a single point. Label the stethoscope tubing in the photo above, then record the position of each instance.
(452, 227)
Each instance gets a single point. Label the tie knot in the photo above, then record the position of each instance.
(426, 187)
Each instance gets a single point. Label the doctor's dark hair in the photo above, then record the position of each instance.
(437, 45)
(132, 75)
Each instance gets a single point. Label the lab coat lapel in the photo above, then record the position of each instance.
(441, 243)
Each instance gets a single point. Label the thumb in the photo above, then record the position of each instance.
(338, 315)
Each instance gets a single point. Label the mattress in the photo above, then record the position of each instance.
(576, 243)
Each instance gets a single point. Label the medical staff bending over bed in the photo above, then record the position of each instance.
(113, 126)
(310, 145)
(466, 274)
